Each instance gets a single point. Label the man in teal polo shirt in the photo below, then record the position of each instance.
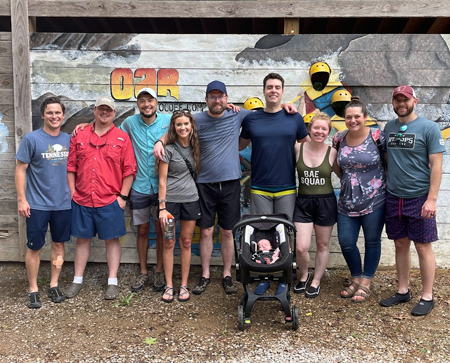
(144, 129)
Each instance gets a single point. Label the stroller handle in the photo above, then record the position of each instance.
(264, 219)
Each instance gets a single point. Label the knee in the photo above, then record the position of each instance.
(322, 247)
(169, 244)
(185, 243)
(206, 232)
(143, 231)
(226, 233)
(301, 250)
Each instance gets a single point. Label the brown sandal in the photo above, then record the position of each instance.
(364, 293)
(350, 292)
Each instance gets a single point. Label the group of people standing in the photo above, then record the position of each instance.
(187, 168)
(400, 193)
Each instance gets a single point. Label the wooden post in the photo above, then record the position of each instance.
(22, 86)
(291, 26)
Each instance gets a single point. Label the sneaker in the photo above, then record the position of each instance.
(140, 282)
(423, 307)
(201, 286)
(312, 292)
(56, 294)
(112, 292)
(73, 290)
(300, 287)
(396, 299)
(34, 300)
(228, 285)
(160, 282)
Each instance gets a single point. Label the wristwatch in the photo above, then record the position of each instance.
(124, 197)
(162, 200)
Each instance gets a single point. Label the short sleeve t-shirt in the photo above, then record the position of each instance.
(408, 158)
(273, 136)
(181, 186)
(46, 175)
(219, 146)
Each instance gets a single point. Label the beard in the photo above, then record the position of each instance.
(216, 109)
(148, 115)
(404, 112)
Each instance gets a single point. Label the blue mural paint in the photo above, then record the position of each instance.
(3, 134)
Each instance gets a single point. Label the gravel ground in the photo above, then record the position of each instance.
(204, 329)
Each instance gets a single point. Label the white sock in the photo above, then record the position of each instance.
(112, 281)
(77, 280)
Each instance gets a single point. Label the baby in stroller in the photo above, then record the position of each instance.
(265, 254)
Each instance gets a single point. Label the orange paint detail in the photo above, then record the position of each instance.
(167, 83)
(148, 81)
(122, 84)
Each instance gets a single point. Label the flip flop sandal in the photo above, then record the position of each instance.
(350, 291)
(184, 290)
(364, 293)
(168, 291)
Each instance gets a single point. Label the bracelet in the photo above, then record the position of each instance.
(162, 200)
(159, 140)
(160, 209)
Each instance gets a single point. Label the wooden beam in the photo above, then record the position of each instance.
(291, 26)
(22, 86)
(238, 9)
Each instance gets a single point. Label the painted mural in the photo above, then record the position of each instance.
(319, 70)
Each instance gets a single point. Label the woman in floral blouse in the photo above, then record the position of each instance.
(362, 197)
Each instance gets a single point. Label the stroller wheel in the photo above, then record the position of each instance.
(241, 323)
(295, 322)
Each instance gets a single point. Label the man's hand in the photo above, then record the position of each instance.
(289, 108)
(24, 209)
(429, 209)
(235, 109)
(158, 150)
(122, 203)
(79, 127)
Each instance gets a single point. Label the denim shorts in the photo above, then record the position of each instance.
(107, 222)
(37, 225)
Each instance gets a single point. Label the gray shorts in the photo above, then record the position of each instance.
(142, 207)
(269, 205)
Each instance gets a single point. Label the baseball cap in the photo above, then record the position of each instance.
(216, 85)
(150, 91)
(406, 91)
(105, 100)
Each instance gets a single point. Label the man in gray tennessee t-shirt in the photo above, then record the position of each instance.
(43, 196)
(415, 151)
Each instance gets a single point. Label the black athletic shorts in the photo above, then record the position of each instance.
(318, 209)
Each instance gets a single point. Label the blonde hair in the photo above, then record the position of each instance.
(320, 116)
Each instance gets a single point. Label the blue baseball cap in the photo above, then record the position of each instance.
(216, 85)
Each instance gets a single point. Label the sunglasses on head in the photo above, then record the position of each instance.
(400, 132)
(185, 112)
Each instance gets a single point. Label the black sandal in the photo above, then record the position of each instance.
(184, 290)
(168, 291)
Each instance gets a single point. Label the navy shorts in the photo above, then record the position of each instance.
(404, 219)
(222, 198)
(38, 222)
(189, 211)
(318, 209)
(108, 221)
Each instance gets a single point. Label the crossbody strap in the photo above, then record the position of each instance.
(188, 163)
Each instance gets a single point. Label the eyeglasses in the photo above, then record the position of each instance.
(184, 112)
(99, 138)
(219, 98)
(400, 132)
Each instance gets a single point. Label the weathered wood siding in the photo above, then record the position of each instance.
(80, 67)
(9, 228)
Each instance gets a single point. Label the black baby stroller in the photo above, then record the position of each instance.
(278, 230)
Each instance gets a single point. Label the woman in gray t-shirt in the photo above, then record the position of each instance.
(178, 196)
(362, 197)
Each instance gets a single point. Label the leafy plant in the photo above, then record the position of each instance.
(149, 341)
(125, 300)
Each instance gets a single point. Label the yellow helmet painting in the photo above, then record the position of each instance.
(253, 103)
(307, 118)
(319, 73)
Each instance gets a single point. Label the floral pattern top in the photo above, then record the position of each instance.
(363, 179)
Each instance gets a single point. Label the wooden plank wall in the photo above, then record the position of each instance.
(9, 228)
(80, 67)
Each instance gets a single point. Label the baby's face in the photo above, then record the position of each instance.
(264, 245)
